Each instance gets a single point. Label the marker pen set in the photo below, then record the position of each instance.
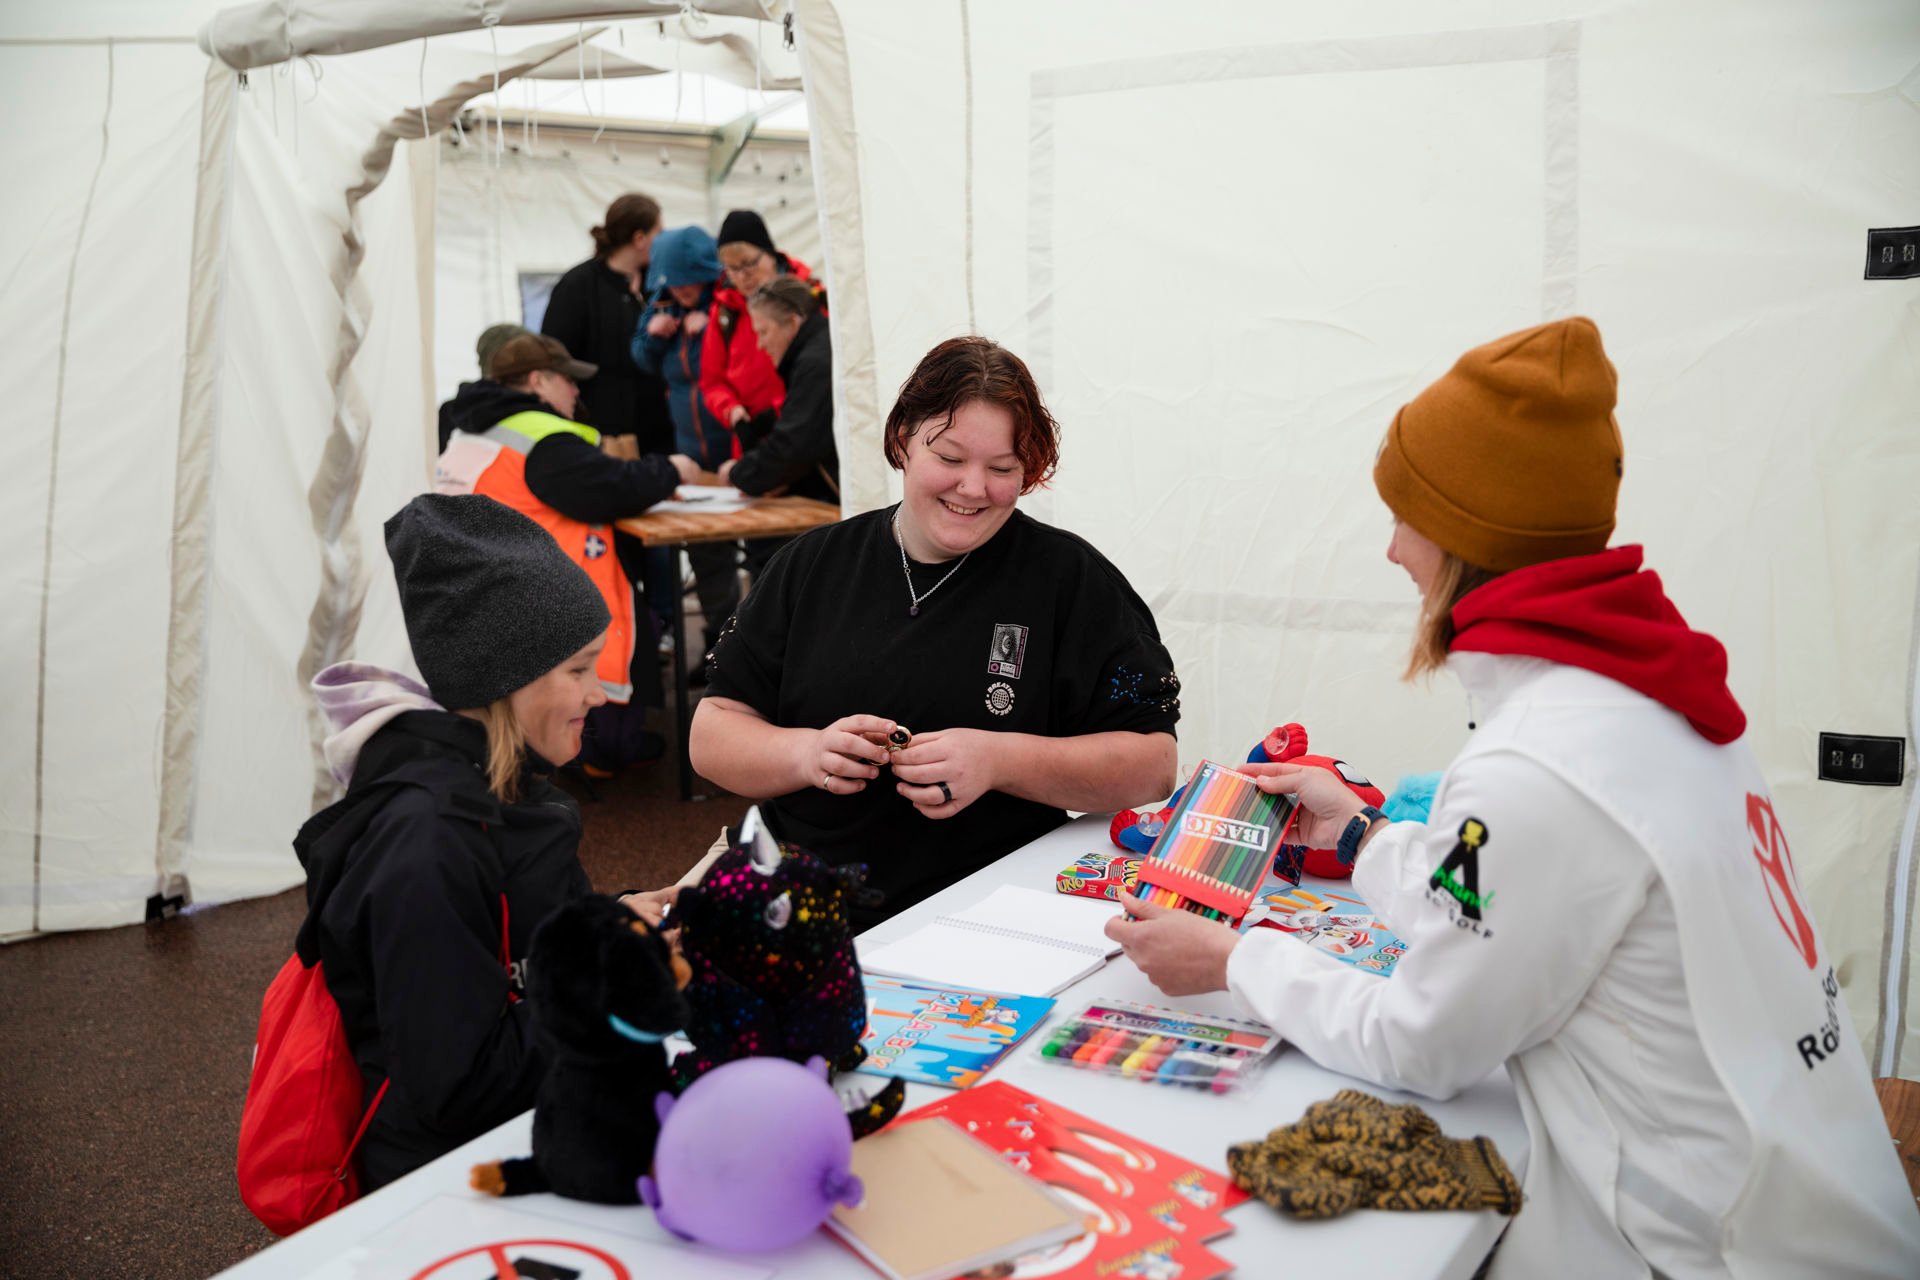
(1161, 1046)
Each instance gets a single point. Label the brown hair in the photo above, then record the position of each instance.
(788, 294)
(1433, 634)
(506, 750)
(628, 216)
(963, 371)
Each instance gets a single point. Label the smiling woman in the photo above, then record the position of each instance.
(1032, 673)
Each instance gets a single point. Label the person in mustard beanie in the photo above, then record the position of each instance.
(1602, 898)
(1514, 456)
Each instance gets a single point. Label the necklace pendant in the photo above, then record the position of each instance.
(913, 611)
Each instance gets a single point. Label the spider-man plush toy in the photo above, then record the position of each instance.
(1135, 832)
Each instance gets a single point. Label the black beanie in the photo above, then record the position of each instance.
(744, 226)
(491, 601)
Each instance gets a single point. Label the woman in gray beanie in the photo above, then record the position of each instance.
(425, 882)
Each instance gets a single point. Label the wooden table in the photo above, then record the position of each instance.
(763, 518)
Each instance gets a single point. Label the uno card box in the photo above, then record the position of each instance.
(1099, 875)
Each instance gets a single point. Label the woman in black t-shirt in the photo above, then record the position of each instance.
(1031, 675)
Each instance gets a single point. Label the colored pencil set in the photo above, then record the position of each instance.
(1161, 1046)
(1217, 846)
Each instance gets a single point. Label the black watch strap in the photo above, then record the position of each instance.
(1356, 830)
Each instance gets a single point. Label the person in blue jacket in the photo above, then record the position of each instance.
(666, 343)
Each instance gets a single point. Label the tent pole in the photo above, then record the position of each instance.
(190, 553)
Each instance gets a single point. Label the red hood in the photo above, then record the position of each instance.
(1605, 614)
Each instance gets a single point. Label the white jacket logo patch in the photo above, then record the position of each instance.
(1459, 875)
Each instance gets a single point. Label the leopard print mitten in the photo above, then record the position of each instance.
(1354, 1151)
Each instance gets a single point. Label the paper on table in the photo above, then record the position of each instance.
(1016, 939)
(453, 1239)
(692, 499)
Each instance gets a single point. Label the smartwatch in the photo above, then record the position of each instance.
(1357, 827)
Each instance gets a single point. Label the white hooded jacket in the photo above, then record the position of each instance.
(1603, 900)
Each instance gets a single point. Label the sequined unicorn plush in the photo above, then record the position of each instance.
(767, 934)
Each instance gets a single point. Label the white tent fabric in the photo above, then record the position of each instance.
(96, 266)
(219, 317)
(1232, 247)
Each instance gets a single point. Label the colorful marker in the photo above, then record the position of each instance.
(1115, 1043)
(1138, 1057)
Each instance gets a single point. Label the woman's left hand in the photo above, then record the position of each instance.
(1181, 953)
(694, 322)
(961, 758)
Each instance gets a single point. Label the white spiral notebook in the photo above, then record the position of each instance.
(1015, 939)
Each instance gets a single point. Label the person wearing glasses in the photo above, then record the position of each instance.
(737, 379)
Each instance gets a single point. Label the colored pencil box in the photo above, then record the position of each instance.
(1218, 844)
(1161, 1046)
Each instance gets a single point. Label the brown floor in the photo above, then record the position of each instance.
(126, 1054)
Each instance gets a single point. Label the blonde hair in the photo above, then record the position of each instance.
(506, 750)
(1433, 634)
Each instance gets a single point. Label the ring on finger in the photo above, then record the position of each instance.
(825, 779)
(945, 791)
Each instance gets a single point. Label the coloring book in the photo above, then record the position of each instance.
(942, 1035)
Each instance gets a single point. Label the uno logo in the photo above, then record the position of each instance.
(1776, 867)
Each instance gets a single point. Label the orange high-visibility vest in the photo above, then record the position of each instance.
(494, 465)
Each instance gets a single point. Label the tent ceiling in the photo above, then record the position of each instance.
(274, 31)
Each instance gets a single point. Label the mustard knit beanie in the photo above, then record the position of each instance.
(1513, 457)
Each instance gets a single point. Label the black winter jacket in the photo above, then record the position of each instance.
(593, 311)
(404, 877)
(564, 471)
(798, 452)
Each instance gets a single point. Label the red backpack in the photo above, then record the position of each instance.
(303, 1118)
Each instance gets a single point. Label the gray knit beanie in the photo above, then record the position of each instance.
(491, 601)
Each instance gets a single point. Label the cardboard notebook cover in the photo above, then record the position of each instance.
(938, 1203)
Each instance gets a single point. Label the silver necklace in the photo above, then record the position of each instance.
(913, 610)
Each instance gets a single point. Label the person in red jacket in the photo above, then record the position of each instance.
(736, 378)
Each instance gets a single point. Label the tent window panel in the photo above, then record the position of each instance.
(535, 288)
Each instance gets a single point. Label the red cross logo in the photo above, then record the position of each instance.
(1776, 866)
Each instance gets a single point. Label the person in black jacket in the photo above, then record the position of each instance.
(492, 338)
(565, 468)
(794, 453)
(425, 882)
(592, 311)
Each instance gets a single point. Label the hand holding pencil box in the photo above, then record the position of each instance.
(1218, 845)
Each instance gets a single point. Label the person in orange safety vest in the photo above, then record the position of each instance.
(514, 440)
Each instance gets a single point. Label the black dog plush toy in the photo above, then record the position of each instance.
(605, 988)
(767, 935)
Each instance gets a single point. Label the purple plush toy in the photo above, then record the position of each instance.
(753, 1156)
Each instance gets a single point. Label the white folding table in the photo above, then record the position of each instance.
(1195, 1124)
